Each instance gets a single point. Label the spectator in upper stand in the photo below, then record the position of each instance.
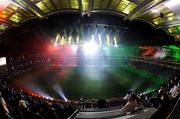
(4, 112)
(127, 95)
(33, 108)
(172, 83)
(162, 89)
(174, 93)
(50, 112)
(26, 113)
(168, 87)
(131, 104)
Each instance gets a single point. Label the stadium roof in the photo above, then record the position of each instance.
(163, 14)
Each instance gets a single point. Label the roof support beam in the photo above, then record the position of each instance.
(117, 4)
(80, 6)
(91, 2)
(152, 7)
(53, 4)
(22, 6)
(69, 4)
(168, 24)
(139, 8)
(142, 8)
(38, 12)
(108, 4)
(109, 12)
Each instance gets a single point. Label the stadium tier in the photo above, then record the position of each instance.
(89, 59)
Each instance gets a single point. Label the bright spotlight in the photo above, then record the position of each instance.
(59, 91)
(74, 48)
(39, 91)
(90, 48)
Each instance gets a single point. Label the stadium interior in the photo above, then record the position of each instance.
(89, 59)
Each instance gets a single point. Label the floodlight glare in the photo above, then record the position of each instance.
(90, 48)
(74, 48)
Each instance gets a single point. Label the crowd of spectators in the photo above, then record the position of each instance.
(20, 105)
(163, 99)
(24, 62)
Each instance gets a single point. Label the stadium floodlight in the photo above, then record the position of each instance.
(90, 48)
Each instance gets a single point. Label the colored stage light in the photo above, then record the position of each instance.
(90, 48)
(160, 53)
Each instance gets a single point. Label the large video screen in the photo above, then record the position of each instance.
(2, 61)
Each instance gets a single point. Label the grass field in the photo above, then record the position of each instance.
(87, 81)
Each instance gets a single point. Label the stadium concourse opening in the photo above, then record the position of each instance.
(66, 59)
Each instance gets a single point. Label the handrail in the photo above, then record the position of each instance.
(73, 115)
(173, 112)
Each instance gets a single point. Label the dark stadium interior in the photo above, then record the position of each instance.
(67, 59)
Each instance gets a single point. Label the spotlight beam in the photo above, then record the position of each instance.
(62, 40)
(108, 40)
(77, 40)
(59, 91)
(57, 38)
(100, 40)
(70, 38)
(115, 42)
